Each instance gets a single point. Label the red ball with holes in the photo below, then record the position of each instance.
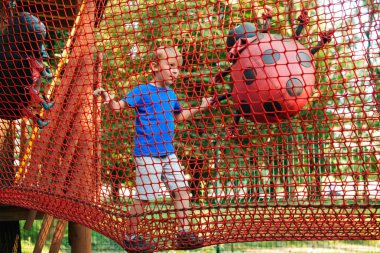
(273, 77)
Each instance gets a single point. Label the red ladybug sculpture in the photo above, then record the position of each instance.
(22, 52)
(273, 75)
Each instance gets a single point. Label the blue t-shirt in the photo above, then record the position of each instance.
(155, 108)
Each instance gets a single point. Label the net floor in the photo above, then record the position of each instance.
(101, 244)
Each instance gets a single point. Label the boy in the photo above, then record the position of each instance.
(157, 109)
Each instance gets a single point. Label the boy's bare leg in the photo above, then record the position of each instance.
(182, 204)
(134, 242)
(137, 209)
(186, 239)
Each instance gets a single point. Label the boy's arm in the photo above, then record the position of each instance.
(116, 105)
(108, 100)
(189, 113)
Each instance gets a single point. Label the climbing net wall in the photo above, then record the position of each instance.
(288, 149)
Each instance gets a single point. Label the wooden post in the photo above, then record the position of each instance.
(45, 227)
(30, 219)
(58, 235)
(60, 178)
(17, 246)
(7, 147)
(79, 238)
(85, 174)
(97, 119)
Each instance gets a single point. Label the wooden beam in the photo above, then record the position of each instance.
(12, 213)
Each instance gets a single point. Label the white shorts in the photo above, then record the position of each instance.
(152, 171)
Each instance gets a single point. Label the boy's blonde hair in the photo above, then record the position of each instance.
(165, 52)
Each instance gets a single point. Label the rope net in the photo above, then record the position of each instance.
(212, 122)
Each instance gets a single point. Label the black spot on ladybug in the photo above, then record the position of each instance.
(249, 76)
(270, 56)
(294, 87)
(245, 30)
(271, 108)
(304, 59)
(245, 107)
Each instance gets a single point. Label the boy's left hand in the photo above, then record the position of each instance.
(98, 92)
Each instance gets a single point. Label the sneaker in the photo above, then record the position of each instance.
(188, 240)
(138, 245)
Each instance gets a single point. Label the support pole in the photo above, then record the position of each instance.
(97, 119)
(30, 219)
(79, 238)
(45, 227)
(58, 235)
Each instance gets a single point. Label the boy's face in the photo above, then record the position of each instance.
(166, 70)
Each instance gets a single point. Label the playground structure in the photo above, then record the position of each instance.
(313, 176)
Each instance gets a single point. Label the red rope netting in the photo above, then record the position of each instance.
(238, 121)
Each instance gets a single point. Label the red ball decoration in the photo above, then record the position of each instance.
(273, 78)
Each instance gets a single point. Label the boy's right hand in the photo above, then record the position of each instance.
(207, 102)
(98, 92)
